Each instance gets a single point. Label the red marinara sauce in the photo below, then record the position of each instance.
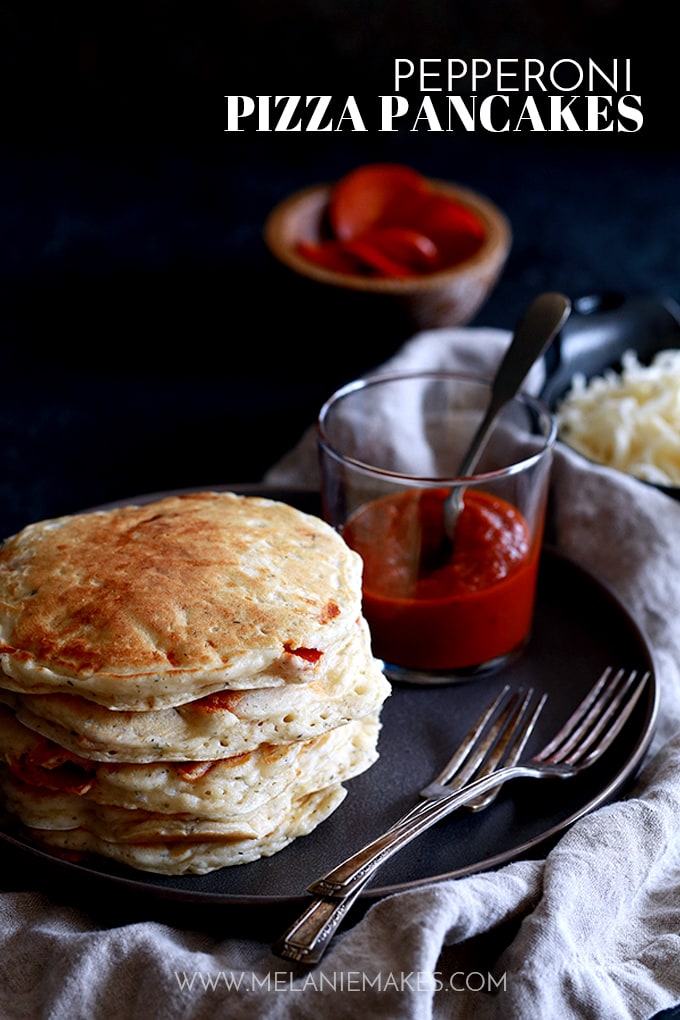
(474, 607)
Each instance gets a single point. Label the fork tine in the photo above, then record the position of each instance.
(611, 721)
(590, 725)
(499, 735)
(593, 716)
(510, 745)
(461, 765)
(575, 719)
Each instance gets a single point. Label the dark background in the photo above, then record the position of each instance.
(148, 340)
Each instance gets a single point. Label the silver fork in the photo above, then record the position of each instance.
(497, 737)
(583, 739)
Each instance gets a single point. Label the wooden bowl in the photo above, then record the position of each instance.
(448, 297)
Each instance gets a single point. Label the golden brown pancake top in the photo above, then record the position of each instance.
(155, 604)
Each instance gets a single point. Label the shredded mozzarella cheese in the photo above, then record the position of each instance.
(631, 420)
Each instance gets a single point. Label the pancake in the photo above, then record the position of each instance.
(237, 786)
(147, 607)
(216, 726)
(193, 855)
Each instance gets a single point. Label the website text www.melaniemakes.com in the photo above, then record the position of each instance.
(199, 981)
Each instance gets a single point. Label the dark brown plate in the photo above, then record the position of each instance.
(580, 628)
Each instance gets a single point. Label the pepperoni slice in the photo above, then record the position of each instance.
(329, 255)
(387, 220)
(372, 195)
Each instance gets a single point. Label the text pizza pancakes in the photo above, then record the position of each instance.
(185, 684)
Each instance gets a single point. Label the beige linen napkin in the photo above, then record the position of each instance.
(590, 932)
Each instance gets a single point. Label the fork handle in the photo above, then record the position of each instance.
(357, 869)
(306, 940)
(308, 937)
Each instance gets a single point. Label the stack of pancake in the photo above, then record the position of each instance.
(185, 684)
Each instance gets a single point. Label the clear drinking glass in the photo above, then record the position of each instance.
(440, 608)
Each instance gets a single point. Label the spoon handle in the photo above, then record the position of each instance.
(535, 331)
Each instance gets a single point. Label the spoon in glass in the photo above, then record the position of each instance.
(536, 329)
